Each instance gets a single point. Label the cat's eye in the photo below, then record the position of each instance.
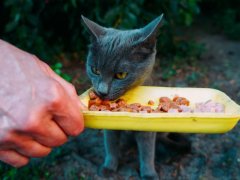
(95, 71)
(121, 75)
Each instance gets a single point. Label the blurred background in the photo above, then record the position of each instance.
(199, 46)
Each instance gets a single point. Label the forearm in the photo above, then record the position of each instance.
(3, 44)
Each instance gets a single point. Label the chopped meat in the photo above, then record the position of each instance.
(148, 109)
(181, 101)
(121, 102)
(166, 105)
(92, 95)
(186, 109)
(171, 110)
(209, 106)
(113, 105)
(94, 108)
(151, 102)
(164, 100)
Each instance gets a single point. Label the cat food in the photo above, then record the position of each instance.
(181, 101)
(209, 106)
(166, 105)
(151, 102)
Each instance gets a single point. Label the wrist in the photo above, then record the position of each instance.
(2, 43)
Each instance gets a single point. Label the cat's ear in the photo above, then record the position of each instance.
(93, 28)
(150, 31)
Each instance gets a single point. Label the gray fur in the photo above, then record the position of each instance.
(132, 51)
(112, 51)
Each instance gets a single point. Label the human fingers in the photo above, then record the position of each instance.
(66, 111)
(13, 158)
(65, 104)
(70, 119)
(32, 148)
(43, 129)
(25, 145)
(71, 91)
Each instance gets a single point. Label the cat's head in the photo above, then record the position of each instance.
(120, 59)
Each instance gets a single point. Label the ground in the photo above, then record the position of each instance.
(212, 156)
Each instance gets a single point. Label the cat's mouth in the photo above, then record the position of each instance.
(102, 96)
(109, 97)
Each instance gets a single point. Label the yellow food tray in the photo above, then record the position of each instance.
(167, 122)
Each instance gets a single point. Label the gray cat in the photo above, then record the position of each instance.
(117, 61)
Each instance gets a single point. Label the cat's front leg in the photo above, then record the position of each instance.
(146, 149)
(111, 144)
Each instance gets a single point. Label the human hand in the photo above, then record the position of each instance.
(38, 109)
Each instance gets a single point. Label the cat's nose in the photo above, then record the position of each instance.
(102, 94)
(102, 89)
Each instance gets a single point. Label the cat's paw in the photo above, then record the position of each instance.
(148, 173)
(153, 176)
(106, 172)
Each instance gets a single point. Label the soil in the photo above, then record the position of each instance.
(212, 156)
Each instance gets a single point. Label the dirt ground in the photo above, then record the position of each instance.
(212, 156)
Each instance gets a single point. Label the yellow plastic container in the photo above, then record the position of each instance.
(167, 122)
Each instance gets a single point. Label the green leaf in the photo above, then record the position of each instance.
(188, 19)
(134, 8)
(58, 65)
(112, 15)
(17, 17)
(11, 26)
(74, 3)
(66, 77)
(58, 71)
